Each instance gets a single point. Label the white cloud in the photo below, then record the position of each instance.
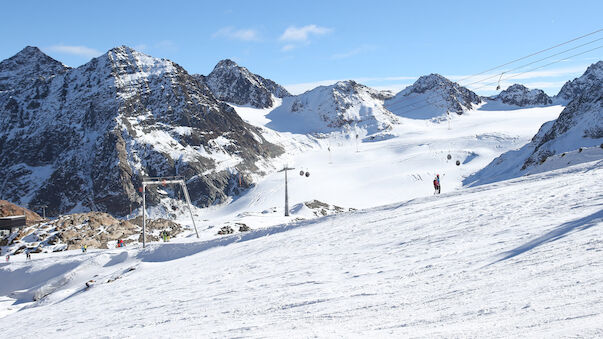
(140, 47)
(237, 34)
(82, 51)
(302, 34)
(295, 36)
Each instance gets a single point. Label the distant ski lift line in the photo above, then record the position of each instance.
(533, 54)
(164, 181)
(492, 83)
(401, 105)
(533, 62)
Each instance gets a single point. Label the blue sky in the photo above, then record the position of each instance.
(383, 44)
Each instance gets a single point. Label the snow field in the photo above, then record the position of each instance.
(512, 259)
(397, 168)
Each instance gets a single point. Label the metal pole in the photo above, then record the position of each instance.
(144, 207)
(286, 194)
(188, 201)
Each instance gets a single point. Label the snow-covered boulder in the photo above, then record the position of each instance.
(82, 139)
(341, 106)
(521, 96)
(237, 85)
(574, 88)
(432, 96)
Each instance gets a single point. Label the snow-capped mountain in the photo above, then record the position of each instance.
(82, 139)
(574, 88)
(579, 125)
(519, 95)
(343, 105)
(237, 85)
(432, 96)
(27, 66)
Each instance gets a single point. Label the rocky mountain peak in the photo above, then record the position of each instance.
(574, 88)
(28, 64)
(432, 96)
(227, 63)
(520, 95)
(237, 85)
(87, 136)
(428, 82)
(342, 106)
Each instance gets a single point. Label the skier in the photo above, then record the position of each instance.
(7, 257)
(439, 185)
(436, 184)
(27, 255)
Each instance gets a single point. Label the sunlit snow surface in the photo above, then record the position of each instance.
(517, 258)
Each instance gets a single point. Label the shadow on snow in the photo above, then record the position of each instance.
(559, 232)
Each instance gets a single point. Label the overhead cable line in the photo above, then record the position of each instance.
(401, 105)
(533, 54)
(492, 83)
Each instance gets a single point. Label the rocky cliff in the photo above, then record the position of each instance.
(82, 139)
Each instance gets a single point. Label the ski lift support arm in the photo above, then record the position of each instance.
(164, 181)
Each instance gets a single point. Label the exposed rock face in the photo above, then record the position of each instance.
(82, 139)
(344, 105)
(519, 95)
(575, 88)
(579, 125)
(28, 66)
(94, 229)
(430, 96)
(237, 85)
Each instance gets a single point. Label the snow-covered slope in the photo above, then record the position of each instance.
(513, 259)
(346, 105)
(579, 125)
(82, 139)
(574, 88)
(519, 95)
(237, 85)
(432, 96)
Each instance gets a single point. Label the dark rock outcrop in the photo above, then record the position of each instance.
(574, 88)
(433, 93)
(237, 85)
(82, 139)
(521, 96)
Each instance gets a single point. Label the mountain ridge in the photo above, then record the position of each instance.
(87, 140)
